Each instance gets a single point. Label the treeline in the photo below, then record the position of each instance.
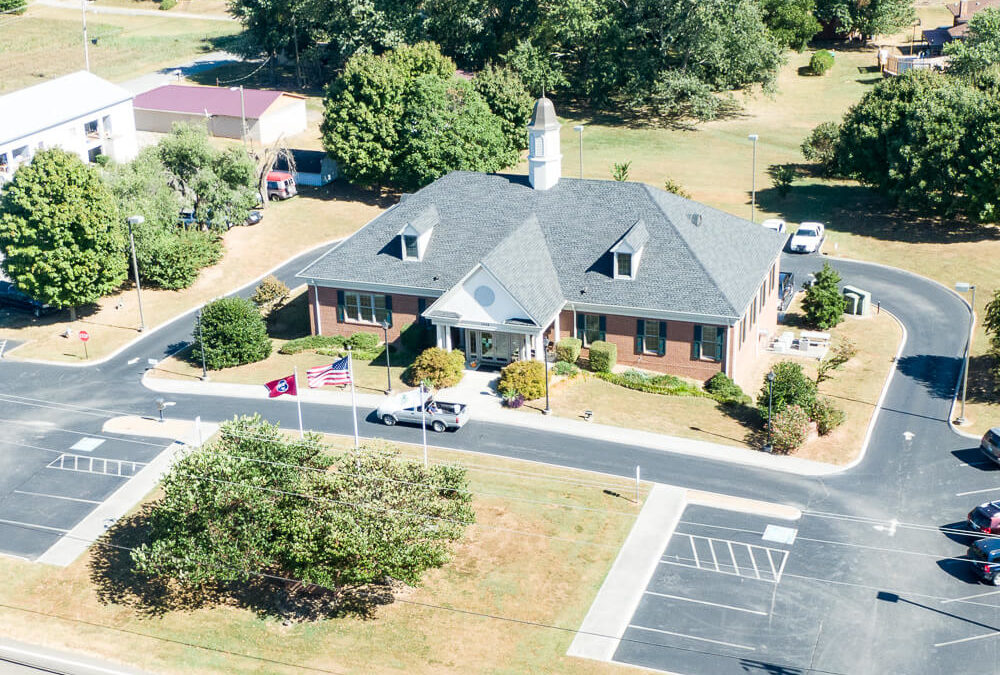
(927, 140)
(650, 58)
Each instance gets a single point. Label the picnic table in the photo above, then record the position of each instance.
(815, 338)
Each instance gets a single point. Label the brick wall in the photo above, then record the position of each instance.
(404, 311)
(746, 356)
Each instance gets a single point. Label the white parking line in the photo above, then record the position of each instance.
(694, 637)
(968, 639)
(69, 499)
(706, 602)
(33, 526)
(970, 597)
(976, 492)
(731, 566)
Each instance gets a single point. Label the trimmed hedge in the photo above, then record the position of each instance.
(724, 390)
(311, 342)
(364, 342)
(233, 334)
(603, 356)
(821, 62)
(568, 349)
(438, 367)
(565, 368)
(791, 387)
(667, 385)
(523, 377)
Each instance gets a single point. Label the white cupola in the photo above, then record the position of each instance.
(544, 157)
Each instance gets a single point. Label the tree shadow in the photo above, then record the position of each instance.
(854, 209)
(983, 387)
(117, 582)
(342, 191)
(936, 373)
(290, 320)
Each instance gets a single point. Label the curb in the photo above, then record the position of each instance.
(150, 331)
(961, 374)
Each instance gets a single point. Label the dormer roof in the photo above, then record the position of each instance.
(634, 238)
(543, 117)
(424, 220)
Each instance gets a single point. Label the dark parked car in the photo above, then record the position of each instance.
(990, 445)
(985, 518)
(11, 297)
(254, 217)
(985, 556)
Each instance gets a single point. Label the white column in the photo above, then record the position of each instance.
(440, 337)
(555, 329)
(447, 338)
(539, 345)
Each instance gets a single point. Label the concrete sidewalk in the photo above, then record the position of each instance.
(491, 411)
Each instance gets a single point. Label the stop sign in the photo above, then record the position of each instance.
(84, 335)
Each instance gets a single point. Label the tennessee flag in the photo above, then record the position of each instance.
(285, 385)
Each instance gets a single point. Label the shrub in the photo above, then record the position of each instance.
(789, 429)
(827, 415)
(823, 303)
(312, 342)
(565, 368)
(233, 334)
(603, 356)
(173, 259)
(821, 62)
(436, 367)
(167, 4)
(270, 293)
(783, 176)
(568, 349)
(791, 387)
(724, 390)
(667, 385)
(620, 171)
(512, 399)
(366, 342)
(842, 352)
(524, 377)
(820, 146)
(670, 185)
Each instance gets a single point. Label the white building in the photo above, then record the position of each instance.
(80, 113)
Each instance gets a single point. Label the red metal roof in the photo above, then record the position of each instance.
(211, 100)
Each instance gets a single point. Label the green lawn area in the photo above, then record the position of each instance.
(45, 42)
(543, 541)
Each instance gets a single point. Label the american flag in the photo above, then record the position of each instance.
(337, 372)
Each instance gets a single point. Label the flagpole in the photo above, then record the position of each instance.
(423, 420)
(298, 398)
(354, 398)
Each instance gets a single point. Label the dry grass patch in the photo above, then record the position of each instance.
(543, 542)
(288, 229)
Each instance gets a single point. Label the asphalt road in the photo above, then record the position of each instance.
(858, 594)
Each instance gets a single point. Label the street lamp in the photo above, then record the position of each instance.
(136, 220)
(243, 114)
(201, 342)
(579, 129)
(545, 359)
(388, 372)
(753, 188)
(965, 287)
(770, 396)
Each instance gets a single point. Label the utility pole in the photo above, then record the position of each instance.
(753, 187)
(86, 48)
(136, 220)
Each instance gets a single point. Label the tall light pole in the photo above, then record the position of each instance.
(243, 114)
(201, 343)
(753, 188)
(770, 391)
(136, 220)
(86, 47)
(545, 359)
(965, 287)
(388, 371)
(579, 129)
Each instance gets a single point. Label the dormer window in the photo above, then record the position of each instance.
(410, 249)
(623, 265)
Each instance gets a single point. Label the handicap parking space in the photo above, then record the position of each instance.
(714, 604)
(52, 478)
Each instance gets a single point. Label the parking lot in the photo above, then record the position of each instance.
(52, 477)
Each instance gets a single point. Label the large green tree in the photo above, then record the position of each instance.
(823, 304)
(505, 94)
(405, 118)
(792, 22)
(61, 232)
(256, 502)
(981, 47)
(867, 18)
(230, 332)
(9, 7)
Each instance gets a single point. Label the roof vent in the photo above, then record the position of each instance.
(696, 219)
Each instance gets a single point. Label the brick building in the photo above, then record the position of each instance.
(496, 264)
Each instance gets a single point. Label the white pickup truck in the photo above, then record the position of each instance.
(407, 407)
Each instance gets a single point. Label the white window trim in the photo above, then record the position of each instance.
(402, 243)
(366, 322)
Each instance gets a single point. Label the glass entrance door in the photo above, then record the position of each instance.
(490, 347)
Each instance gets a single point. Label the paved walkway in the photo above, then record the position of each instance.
(170, 75)
(488, 408)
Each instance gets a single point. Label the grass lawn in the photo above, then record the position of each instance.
(543, 541)
(45, 42)
(855, 388)
(290, 227)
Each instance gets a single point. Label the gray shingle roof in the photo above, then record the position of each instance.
(425, 220)
(521, 262)
(636, 237)
(711, 269)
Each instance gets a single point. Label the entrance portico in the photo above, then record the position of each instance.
(493, 344)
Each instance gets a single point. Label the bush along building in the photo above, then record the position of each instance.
(495, 264)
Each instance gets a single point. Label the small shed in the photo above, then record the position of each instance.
(312, 167)
(268, 115)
